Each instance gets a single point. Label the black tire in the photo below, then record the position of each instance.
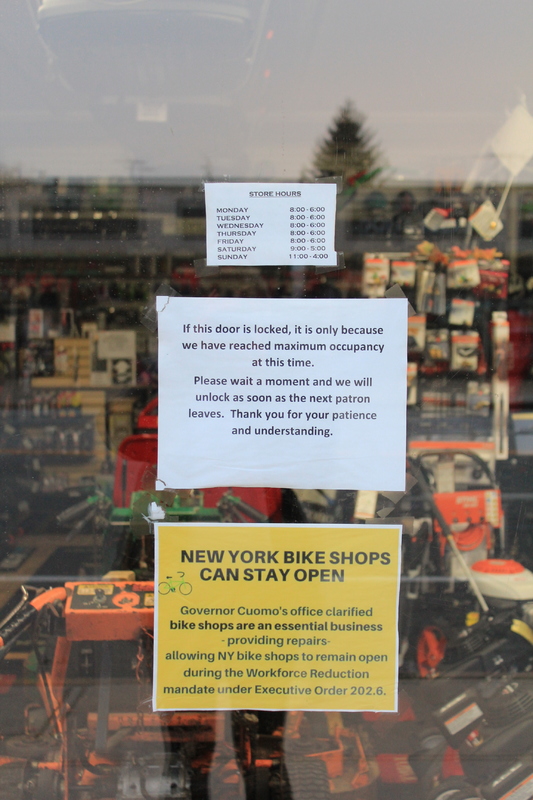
(185, 588)
(262, 784)
(35, 747)
(452, 789)
(308, 778)
(48, 785)
(12, 781)
(164, 587)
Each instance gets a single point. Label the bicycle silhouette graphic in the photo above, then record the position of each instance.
(171, 584)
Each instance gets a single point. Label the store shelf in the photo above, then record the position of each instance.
(35, 422)
(46, 453)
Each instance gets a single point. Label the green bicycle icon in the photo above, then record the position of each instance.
(171, 584)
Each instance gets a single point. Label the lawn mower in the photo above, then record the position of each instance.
(463, 729)
(460, 594)
(489, 727)
(461, 739)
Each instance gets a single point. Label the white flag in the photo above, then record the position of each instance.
(513, 144)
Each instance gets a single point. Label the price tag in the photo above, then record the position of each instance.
(270, 224)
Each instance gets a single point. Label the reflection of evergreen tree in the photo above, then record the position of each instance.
(348, 150)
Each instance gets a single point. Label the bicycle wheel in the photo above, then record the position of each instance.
(164, 587)
(185, 588)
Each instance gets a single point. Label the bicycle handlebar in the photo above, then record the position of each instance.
(23, 618)
(81, 523)
(229, 501)
(70, 513)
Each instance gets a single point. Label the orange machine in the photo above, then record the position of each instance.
(95, 737)
(465, 494)
(465, 526)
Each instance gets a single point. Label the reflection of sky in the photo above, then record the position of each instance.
(434, 79)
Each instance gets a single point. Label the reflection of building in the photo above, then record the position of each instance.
(134, 221)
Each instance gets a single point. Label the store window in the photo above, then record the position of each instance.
(266, 423)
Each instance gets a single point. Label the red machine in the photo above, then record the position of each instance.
(136, 470)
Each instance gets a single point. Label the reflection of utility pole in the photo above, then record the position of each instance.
(33, 7)
(138, 167)
(208, 169)
(512, 229)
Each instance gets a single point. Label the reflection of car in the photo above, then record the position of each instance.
(234, 11)
(165, 49)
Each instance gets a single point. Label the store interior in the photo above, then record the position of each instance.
(82, 265)
(114, 116)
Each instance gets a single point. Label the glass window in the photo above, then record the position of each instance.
(114, 116)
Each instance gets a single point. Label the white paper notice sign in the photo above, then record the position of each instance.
(270, 224)
(306, 394)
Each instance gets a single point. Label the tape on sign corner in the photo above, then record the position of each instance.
(410, 481)
(384, 512)
(222, 179)
(407, 523)
(202, 270)
(149, 315)
(393, 497)
(341, 264)
(338, 179)
(396, 291)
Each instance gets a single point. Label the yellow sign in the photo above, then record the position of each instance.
(276, 616)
